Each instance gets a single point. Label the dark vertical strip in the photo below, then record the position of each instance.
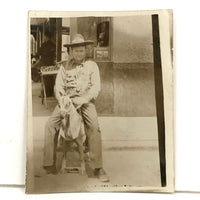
(58, 39)
(159, 97)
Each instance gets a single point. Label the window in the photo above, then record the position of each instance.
(98, 30)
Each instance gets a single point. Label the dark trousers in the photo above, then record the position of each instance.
(92, 132)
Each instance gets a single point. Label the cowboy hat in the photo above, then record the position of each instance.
(78, 40)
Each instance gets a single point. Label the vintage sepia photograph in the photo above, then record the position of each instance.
(100, 102)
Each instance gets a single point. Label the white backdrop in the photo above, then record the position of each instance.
(13, 53)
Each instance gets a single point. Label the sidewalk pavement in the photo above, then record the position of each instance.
(130, 157)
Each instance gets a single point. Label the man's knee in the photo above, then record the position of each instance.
(92, 126)
(50, 128)
(90, 118)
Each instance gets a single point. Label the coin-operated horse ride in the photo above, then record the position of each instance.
(71, 139)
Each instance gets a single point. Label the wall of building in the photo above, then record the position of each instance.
(134, 93)
(133, 74)
(127, 89)
(128, 79)
(132, 39)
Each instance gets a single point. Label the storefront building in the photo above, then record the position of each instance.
(123, 50)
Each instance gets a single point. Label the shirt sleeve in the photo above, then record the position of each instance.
(95, 83)
(59, 88)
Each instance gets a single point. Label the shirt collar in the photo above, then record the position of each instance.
(73, 62)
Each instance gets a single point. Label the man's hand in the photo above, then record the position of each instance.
(63, 113)
(78, 102)
(64, 105)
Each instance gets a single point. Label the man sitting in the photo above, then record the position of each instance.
(79, 79)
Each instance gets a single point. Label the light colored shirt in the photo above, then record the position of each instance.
(81, 80)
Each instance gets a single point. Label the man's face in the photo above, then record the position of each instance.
(78, 53)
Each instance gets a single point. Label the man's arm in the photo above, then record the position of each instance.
(59, 85)
(94, 89)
